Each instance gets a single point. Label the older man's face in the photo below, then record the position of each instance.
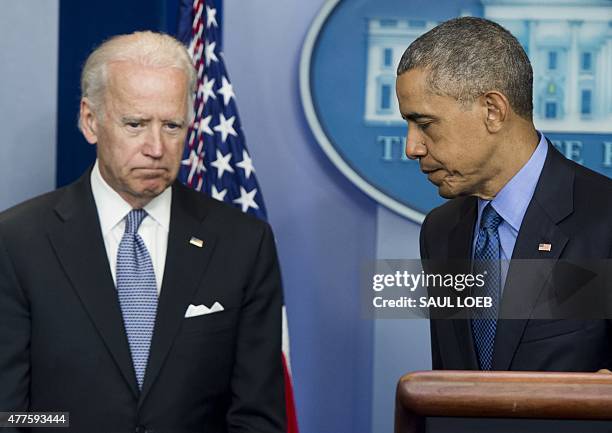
(448, 139)
(141, 129)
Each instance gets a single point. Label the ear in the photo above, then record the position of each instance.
(497, 108)
(88, 121)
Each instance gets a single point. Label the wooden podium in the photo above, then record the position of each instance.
(478, 394)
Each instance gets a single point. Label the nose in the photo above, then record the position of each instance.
(154, 143)
(415, 143)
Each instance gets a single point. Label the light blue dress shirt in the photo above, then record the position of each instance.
(511, 204)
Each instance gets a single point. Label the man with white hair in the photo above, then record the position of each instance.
(126, 299)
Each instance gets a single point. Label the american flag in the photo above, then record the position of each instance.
(216, 160)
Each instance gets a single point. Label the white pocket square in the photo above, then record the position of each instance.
(200, 310)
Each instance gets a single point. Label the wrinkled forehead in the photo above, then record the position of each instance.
(413, 83)
(413, 93)
(130, 84)
(417, 100)
(124, 73)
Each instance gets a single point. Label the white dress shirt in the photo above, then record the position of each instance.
(112, 210)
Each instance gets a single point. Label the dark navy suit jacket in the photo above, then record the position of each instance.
(572, 211)
(63, 345)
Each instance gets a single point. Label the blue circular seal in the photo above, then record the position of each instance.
(347, 84)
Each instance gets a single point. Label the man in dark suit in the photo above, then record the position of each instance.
(126, 299)
(465, 89)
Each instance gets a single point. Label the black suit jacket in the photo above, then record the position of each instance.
(63, 345)
(572, 210)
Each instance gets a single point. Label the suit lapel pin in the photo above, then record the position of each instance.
(544, 247)
(197, 242)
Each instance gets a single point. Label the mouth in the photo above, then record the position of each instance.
(434, 175)
(150, 172)
(429, 170)
(150, 169)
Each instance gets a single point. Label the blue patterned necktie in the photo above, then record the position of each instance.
(137, 292)
(486, 261)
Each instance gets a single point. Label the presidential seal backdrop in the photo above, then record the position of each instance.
(347, 84)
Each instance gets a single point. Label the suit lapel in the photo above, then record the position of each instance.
(78, 243)
(531, 268)
(458, 331)
(461, 236)
(185, 266)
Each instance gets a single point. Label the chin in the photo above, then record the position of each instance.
(445, 190)
(447, 194)
(153, 187)
(152, 192)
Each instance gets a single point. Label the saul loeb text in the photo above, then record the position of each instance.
(414, 293)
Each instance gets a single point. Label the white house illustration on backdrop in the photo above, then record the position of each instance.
(569, 43)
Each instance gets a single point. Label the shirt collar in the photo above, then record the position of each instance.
(513, 199)
(112, 208)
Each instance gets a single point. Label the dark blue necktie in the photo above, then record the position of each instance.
(487, 262)
(137, 292)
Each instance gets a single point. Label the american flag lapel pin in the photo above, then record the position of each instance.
(544, 247)
(196, 242)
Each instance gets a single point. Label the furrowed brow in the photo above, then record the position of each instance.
(128, 119)
(176, 120)
(415, 117)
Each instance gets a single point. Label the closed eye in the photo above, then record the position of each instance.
(421, 121)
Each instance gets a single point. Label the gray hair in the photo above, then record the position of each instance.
(467, 57)
(145, 48)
